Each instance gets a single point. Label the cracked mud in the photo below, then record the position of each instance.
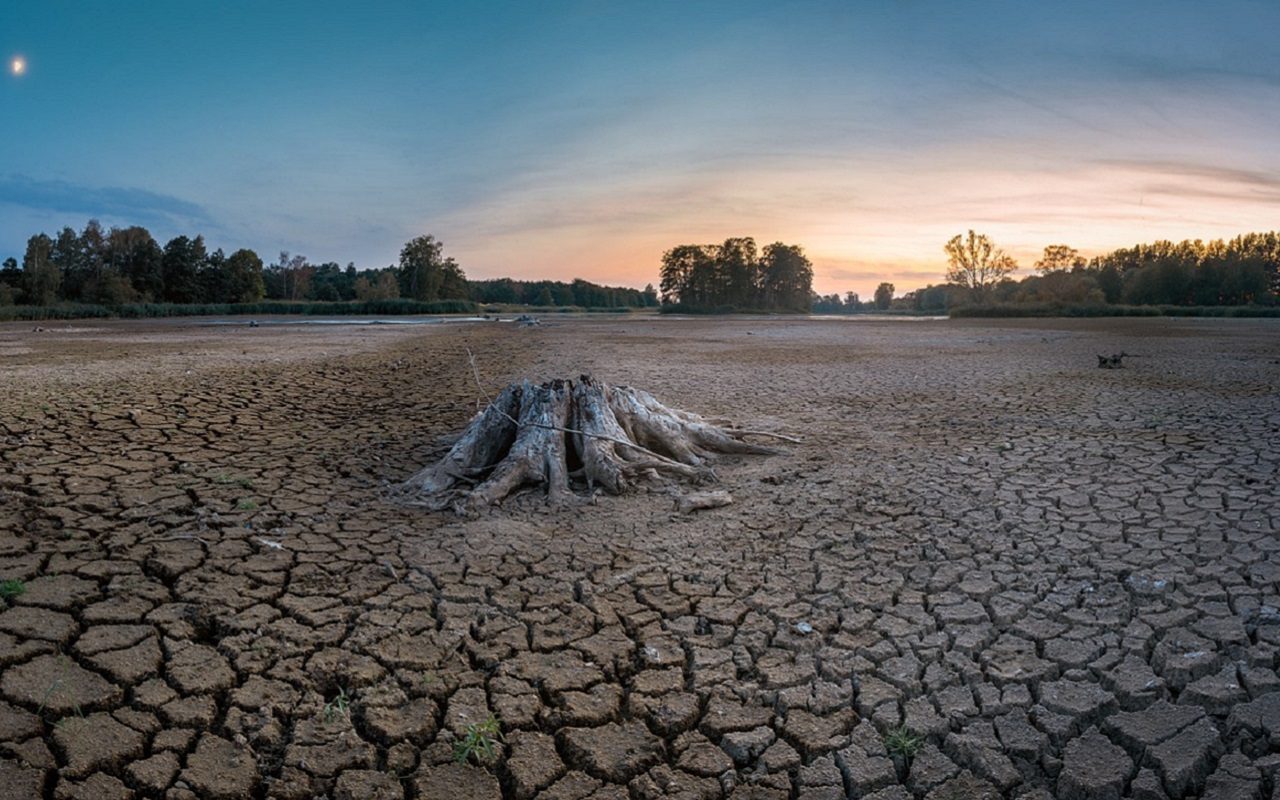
(1064, 581)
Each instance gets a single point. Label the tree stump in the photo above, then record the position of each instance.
(564, 431)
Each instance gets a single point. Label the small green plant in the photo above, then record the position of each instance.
(57, 686)
(900, 741)
(12, 588)
(246, 504)
(224, 479)
(479, 743)
(339, 706)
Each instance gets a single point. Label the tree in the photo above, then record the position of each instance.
(786, 278)
(242, 277)
(10, 274)
(64, 254)
(733, 274)
(425, 274)
(40, 278)
(649, 296)
(688, 275)
(976, 264)
(133, 253)
(1059, 258)
(10, 282)
(290, 279)
(883, 296)
(180, 268)
(738, 266)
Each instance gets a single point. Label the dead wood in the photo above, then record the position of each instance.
(486, 439)
(538, 453)
(614, 436)
(1114, 361)
(689, 503)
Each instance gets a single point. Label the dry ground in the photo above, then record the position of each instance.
(1065, 580)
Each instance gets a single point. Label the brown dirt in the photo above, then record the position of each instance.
(1038, 565)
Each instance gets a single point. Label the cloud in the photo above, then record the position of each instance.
(1206, 180)
(132, 206)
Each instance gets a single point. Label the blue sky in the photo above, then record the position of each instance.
(582, 139)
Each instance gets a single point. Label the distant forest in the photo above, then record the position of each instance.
(736, 276)
(1244, 271)
(124, 266)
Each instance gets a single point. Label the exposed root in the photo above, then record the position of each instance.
(611, 437)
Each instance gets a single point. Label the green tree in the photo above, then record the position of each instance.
(975, 264)
(40, 277)
(425, 274)
(242, 280)
(180, 268)
(135, 255)
(64, 253)
(883, 296)
(10, 282)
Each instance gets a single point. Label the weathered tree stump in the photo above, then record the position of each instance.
(1114, 361)
(562, 431)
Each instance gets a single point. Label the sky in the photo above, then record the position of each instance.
(583, 138)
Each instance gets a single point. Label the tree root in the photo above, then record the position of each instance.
(611, 437)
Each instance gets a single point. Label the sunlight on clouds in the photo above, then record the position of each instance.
(859, 224)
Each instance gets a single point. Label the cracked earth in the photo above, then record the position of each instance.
(1064, 581)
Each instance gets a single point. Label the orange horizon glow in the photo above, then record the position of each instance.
(619, 238)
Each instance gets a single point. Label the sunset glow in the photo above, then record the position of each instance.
(557, 143)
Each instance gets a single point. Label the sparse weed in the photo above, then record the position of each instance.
(339, 706)
(225, 480)
(480, 742)
(246, 504)
(12, 588)
(64, 666)
(900, 741)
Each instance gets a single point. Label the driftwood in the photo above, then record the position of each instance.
(549, 435)
(1114, 361)
(689, 503)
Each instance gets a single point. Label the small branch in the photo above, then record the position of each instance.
(738, 434)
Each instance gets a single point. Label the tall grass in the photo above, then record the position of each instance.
(397, 307)
(1068, 310)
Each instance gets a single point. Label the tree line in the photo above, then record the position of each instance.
(1242, 271)
(123, 266)
(736, 275)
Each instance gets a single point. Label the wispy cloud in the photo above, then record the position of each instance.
(133, 206)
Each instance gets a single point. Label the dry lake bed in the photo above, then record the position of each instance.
(991, 569)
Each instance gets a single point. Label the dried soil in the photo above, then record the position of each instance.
(1066, 579)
